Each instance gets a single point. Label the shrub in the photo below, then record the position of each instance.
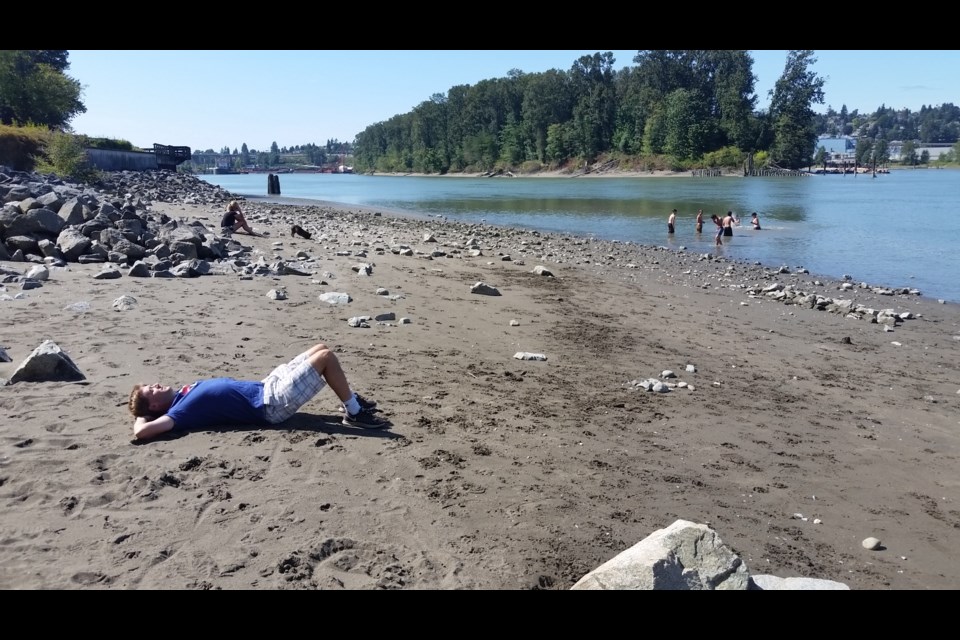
(731, 157)
(66, 156)
(110, 144)
(531, 166)
(761, 159)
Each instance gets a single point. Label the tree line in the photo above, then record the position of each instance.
(673, 109)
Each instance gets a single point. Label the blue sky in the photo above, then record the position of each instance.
(211, 99)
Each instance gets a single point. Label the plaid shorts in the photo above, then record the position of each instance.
(289, 387)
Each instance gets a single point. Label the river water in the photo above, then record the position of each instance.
(898, 229)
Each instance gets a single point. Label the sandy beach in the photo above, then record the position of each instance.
(794, 432)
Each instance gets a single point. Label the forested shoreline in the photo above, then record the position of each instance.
(673, 110)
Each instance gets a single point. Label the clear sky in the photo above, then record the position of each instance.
(213, 99)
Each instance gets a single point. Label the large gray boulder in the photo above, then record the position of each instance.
(47, 363)
(73, 243)
(685, 556)
(689, 557)
(71, 212)
(37, 220)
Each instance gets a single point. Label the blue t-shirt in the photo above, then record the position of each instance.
(218, 401)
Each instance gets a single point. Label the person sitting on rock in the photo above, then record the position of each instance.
(233, 220)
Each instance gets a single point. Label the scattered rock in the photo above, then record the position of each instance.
(871, 543)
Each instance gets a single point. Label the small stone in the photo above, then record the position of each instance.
(871, 543)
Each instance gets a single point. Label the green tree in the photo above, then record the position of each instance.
(723, 80)
(793, 95)
(631, 113)
(35, 90)
(864, 151)
(244, 155)
(687, 125)
(429, 135)
(820, 158)
(546, 101)
(881, 151)
(595, 108)
(655, 132)
(559, 142)
(732, 82)
(908, 153)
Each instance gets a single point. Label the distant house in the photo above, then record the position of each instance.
(839, 150)
(843, 144)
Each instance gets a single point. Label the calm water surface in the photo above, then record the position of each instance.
(898, 229)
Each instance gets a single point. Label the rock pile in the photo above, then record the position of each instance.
(48, 221)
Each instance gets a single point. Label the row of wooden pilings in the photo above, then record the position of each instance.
(776, 172)
(717, 173)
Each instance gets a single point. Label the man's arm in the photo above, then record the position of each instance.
(144, 428)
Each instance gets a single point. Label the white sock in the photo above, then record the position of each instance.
(351, 405)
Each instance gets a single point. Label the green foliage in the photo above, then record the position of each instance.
(110, 144)
(761, 159)
(725, 157)
(66, 156)
(820, 157)
(908, 153)
(35, 90)
(688, 129)
(794, 128)
(20, 146)
(559, 142)
(655, 133)
(531, 166)
(863, 152)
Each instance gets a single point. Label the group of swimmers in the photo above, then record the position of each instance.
(724, 225)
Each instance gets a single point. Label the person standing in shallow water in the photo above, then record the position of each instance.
(727, 224)
(699, 220)
(671, 221)
(717, 221)
(755, 221)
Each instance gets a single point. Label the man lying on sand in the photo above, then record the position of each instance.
(159, 408)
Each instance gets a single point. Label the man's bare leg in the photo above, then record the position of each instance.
(326, 363)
